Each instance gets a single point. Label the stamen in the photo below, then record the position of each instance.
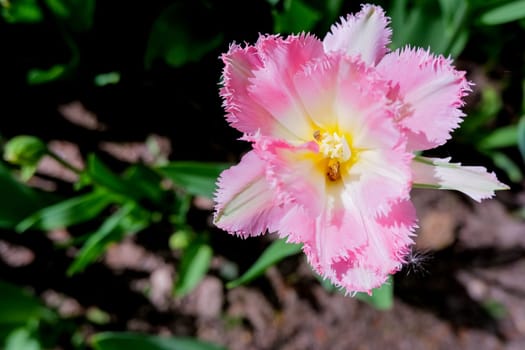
(335, 148)
(333, 170)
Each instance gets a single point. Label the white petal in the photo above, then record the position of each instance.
(366, 34)
(473, 181)
(245, 203)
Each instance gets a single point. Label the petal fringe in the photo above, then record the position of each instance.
(474, 181)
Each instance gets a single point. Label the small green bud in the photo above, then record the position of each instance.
(180, 239)
(24, 150)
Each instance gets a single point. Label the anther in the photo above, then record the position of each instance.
(333, 170)
(317, 135)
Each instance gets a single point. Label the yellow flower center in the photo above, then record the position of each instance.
(335, 149)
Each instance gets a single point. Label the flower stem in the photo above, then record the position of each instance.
(63, 162)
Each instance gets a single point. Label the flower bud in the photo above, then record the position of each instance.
(24, 150)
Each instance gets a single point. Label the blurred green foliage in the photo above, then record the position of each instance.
(274, 253)
(130, 341)
(178, 35)
(26, 324)
(182, 37)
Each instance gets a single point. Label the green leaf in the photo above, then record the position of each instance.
(276, 252)
(104, 176)
(193, 266)
(22, 200)
(439, 25)
(180, 209)
(68, 212)
(381, 298)
(457, 45)
(145, 183)
(21, 11)
(503, 14)
(506, 164)
(486, 110)
(39, 76)
(22, 339)
(97, 316)
(333, 8)
(137, 183)
(110, 78)
(18, 306)
(112, 230)
(78, 14)
(178, 36)
(296, 17)
(506, 136)
(521, 137)
(398, 14)
(194, 177)
(484, 4)
(135, 341)
(495, 309)
(448, 8)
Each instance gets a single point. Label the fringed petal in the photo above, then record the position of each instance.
(361, 259)
(245, 202)
(366, 34)
(430, 91)
(474, 181)
(272, 85)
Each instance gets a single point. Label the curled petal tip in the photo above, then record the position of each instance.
(366, 34)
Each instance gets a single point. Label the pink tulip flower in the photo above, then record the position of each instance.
(334, 125)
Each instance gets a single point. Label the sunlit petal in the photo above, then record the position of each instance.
(474, 181)
(431, 93)
(365, 34)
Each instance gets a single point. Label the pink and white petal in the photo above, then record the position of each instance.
(360, 278)
(360, 105)
(432, 92)
(380, 178)
(297, 175)
(296, 224)
(243, 113)
(337, 235)
(402, 215)
(341, 235)
(381, 171)
(398, 226)
(474, 181)
(316, 84)
(374, 248)
(245, 202)
(366, 34)
(388, 234)
(272, 85)
(294, 173)
(339, 90)
(390, 238)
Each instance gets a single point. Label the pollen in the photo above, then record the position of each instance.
(332, 171)
(335, 149)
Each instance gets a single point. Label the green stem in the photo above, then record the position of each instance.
(63, 162)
